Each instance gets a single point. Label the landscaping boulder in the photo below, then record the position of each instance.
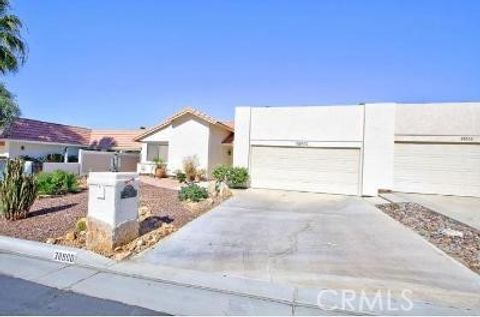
(224, 191)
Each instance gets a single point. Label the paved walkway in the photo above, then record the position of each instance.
(168, 183)
(463, 209)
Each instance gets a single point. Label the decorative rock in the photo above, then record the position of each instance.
(51, 241)
(212, 188)
(452, 233)
(144, 211)
(140, 242)
(70, 236)
(224, 191)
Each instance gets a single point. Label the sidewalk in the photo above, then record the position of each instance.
(172, 291)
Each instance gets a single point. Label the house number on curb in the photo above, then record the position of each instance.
(301, 143)
(64, 256)
(466, 138)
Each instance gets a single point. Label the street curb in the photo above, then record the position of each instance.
(297, 298)
(46, 251)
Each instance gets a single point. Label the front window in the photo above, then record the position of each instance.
(157, 150)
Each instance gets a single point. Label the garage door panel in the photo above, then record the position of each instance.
(450, 169)
(306, 169)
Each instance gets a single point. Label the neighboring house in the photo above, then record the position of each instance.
(188, 133)
(360, 149)
(37, 139)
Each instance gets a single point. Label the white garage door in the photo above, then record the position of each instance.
(326, 170)
(449, 169)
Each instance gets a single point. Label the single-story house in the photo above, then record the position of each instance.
(361, 149)
(188, 133)
(37, 139)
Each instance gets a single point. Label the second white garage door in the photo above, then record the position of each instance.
(450, 169)
(326, 170)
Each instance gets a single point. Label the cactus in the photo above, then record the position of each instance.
(17, 191)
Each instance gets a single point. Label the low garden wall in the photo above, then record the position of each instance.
(95, 161)
(67, 167)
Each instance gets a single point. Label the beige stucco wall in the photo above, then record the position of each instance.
(189, 137)
(37, 150)
(438, 119)
(96, 161)
(332, 123)
(366, 127)
(217, 152)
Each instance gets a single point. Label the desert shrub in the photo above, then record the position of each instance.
(81, 225)
(192, 192)
(181, 177)
(201, 175)
(235, 177)
(190, 165)
(56, 183)
(17, 191)
(220, 173)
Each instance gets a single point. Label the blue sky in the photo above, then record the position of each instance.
(123, 64)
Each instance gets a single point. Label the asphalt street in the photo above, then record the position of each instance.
(20, 297)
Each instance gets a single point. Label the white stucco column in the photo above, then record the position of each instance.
(65, 155)
(113, 201)
(241, 151)
(378, 147)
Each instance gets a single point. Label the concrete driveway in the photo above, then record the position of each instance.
(315, 241)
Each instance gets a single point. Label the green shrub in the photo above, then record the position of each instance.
(56, 183)
(235, 177)
(220, 173)
(192, 192)
(81, 225)
(181, 177)
(17, 191)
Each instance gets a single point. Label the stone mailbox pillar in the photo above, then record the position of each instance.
(113, 201)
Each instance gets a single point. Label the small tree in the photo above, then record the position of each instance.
(9, 109)
(17, 191)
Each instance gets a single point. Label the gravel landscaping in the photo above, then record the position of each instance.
(55, 217)
(48, 217)
(455, 238)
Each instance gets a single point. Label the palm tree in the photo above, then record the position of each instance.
(13, 51)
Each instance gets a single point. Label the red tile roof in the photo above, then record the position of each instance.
(197, 113)
(40, 131)
(34, 130)
(115, 139)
